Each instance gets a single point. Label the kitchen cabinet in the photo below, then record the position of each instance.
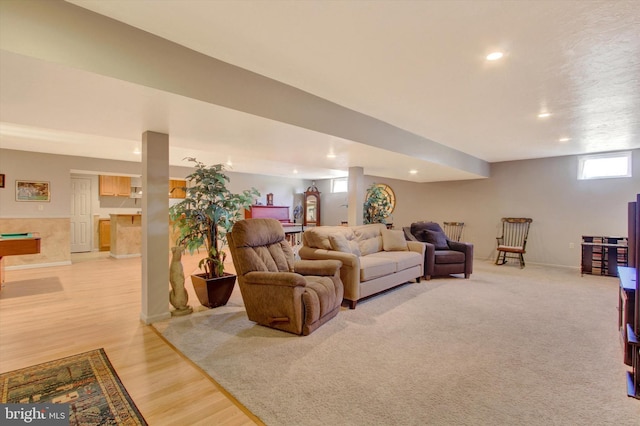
(115, 186)
(104, 234)
(176, 188)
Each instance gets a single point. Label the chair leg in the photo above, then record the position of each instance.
(521, 261)
(498, 257)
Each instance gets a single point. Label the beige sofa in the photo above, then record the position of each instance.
(373, 258)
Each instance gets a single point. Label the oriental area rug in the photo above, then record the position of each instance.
(509, 346)
(86, 382)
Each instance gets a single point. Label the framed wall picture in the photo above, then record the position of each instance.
(1, 180)
(28, 190)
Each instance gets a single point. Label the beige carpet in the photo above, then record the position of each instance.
(537, 346)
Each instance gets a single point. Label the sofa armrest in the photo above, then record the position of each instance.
(417, 246)
(279, 279)
(467, 249)
(349, 271)
(322, 268)
(429, 259)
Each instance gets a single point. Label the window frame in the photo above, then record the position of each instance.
(342, 179)
(584, 159)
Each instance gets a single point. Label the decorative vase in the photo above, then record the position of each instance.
(213, 292)
(178, 295)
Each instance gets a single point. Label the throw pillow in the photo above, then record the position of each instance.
(339, 243)
(438, 239)
(393, 240)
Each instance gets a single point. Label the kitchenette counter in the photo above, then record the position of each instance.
(126, 235)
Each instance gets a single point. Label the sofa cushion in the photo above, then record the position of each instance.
(373, 267)
(339, 242)
(437, 238)
(401, 259)
(393, 240)
(369, 238)
(355, 247)
(318, 236)
(449, 256)
(370, 246)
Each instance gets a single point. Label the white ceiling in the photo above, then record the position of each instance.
(418, 65)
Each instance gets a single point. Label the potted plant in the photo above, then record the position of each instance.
(377, 206)
(203, 219)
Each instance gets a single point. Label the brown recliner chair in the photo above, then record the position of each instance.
(442, 256)
(279, 292)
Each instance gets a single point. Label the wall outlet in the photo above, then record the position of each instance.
(40, 207)
(572, 245)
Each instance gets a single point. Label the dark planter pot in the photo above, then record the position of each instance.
(213, 292)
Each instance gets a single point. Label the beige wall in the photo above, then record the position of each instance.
(563, 208)
(547, 190)
(52, 219)
(54, 244)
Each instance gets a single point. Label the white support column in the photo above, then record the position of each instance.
(356, 195)
(155, 227)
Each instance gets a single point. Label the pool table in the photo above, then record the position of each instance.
(17, 244)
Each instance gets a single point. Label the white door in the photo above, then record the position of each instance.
(80, 215)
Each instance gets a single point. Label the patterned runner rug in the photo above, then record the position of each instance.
(86, 381)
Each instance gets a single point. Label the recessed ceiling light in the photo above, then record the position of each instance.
(564, 139)
(331, 155)
(137, 151)
(494, 56)
(544, 115)
(413, 171)
(295, 171)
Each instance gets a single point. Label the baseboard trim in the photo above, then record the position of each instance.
(154, 318)
(124, 256)
(37, 265)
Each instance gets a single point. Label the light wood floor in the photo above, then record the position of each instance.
(49, 313)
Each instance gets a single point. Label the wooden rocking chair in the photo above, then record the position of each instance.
(453, 230)
(513, 241)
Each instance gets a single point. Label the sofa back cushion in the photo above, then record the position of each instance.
(318, 236)
(369, 237)
(362, 239)
(339, 242)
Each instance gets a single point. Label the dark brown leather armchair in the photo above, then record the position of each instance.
(442, 256)
(279, 292)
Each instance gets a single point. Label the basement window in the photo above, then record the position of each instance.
(602, 166)
(339, 185)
